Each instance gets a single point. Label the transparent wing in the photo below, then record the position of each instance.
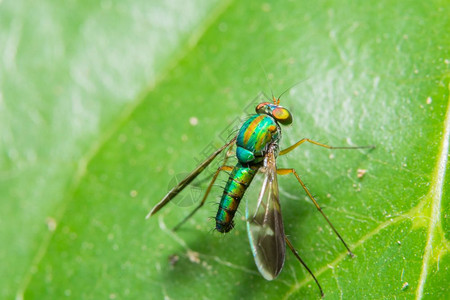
(185, 182)
(265, 225)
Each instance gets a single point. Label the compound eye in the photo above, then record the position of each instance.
(261, 108)
(282, 115)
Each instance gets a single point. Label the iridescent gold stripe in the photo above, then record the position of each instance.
(251, 128)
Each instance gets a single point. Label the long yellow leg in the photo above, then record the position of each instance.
(289, 149)
(292, 171)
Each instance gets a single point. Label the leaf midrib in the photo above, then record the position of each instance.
(436, 192)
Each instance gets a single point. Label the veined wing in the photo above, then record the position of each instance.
(265, 225)
(183, 183)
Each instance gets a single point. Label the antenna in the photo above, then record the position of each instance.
(267, 78)
(295, 84)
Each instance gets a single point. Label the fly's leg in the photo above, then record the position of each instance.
(303, 263)
(289, 149)
(292, 171)
(186, 181)
(223, 167)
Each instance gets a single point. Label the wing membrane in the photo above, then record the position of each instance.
(183, 183)
(265, 225)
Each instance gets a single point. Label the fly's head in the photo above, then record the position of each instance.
(279, 113)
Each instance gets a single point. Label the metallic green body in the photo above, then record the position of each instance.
(254, 136)
(240, 178)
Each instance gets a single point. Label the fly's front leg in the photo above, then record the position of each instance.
(289, 149)
(292, 171)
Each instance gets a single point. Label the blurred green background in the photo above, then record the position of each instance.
(102, 103)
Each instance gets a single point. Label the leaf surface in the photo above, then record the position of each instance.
(103, 104)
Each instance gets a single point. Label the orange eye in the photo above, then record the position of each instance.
(282, 115)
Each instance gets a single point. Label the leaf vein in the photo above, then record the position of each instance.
(436, 191)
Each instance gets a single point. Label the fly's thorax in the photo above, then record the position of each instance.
(254, 136)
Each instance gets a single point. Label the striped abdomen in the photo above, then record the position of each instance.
(238, 182)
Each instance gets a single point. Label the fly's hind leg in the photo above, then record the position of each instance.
(303, 263)
(292, 171)
(223, 167)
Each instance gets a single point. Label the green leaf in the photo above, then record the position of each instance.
(101, 105)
